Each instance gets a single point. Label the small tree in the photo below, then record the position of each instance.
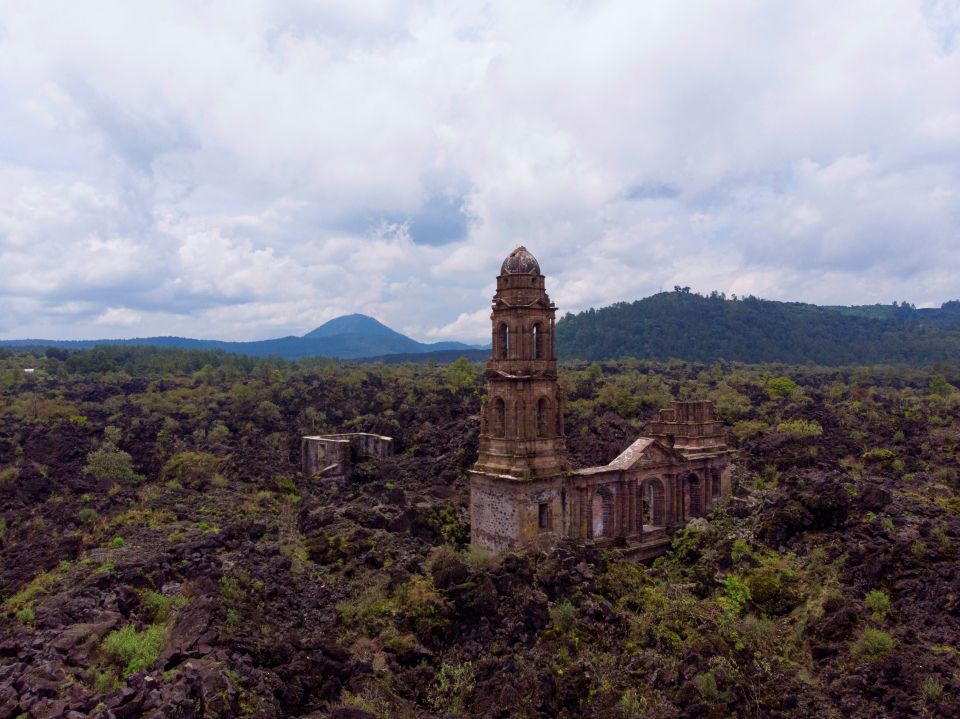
(110, 462)
(461, 375)
(940, 387)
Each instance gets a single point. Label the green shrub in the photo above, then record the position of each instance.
(747, 428)
(781, 388)
(158, 607)
(132, 649)
(26, 615)
(454, 684)
(774, 586)
(735, 596)
(112, 463)
(230, 589)
(879, 454)
(563, 616)
(759, 631)
(873, 644)
(117, 542)
(87, 515)
(105, 682)
(877, 603)
(738, 550)
(191, 469)
(706, 684)
(367, 610)
(800, 428)
(424, 608)
(940, 387)
(219, 433)
(931, 690)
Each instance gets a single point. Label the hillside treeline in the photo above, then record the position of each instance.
(689, 326)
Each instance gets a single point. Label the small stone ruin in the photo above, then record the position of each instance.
(332, 456)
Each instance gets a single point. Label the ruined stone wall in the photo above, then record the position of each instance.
(506, 514)
(331, 454)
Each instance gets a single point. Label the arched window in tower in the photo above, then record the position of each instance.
(504, 337)
(537, 342)
(544, 417)
(499, 418)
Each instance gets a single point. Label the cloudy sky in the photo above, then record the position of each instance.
(248, 169)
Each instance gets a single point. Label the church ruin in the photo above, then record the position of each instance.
(523, 490)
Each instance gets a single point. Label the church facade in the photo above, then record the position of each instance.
(523, 489)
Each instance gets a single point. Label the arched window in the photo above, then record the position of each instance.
(694, 500)
(499, 417)
(602, 513)
(504, 333)
(537, 342)
(543, 417)
(653, 503)
(715, 485)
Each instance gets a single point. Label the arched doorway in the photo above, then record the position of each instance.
(602, 513)
(694, 497)
(654, 504)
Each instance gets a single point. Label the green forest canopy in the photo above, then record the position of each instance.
(689, 326)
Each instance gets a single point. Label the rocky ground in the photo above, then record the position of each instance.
(207, 578)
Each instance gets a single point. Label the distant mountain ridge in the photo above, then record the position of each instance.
(668, 325)
(687, 326)
(348, 337)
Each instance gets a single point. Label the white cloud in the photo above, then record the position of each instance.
(118, 317)
(246, 170)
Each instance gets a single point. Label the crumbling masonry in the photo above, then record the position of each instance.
(333, 455)
(522, 489)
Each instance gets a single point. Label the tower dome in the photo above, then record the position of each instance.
(520, 262)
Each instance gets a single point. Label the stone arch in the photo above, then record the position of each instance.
(602, 513)
(694, 496)
(544, 417)
(653, 496)
(498, 412)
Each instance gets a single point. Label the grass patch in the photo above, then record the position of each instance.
(158, 607)
(40, 584)
(132, 649)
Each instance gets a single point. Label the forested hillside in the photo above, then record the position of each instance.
(685, 325)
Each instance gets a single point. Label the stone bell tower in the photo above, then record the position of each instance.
(515, 491)
(521, 427)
